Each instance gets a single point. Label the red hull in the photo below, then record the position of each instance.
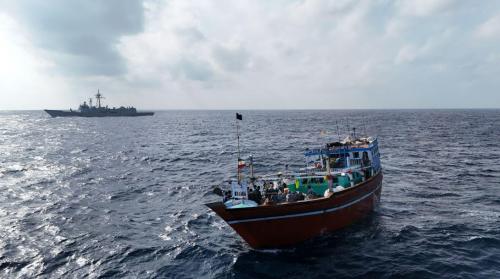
(283, 225)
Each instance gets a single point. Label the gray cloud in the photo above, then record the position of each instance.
(231, 59)
(81, 36)
(190, 35)
(192, 69)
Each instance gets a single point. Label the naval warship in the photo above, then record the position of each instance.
(89, 110)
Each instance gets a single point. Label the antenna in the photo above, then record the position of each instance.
(364, 126)
(338, 132)
(348, 128)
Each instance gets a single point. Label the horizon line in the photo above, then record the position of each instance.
(287, 109)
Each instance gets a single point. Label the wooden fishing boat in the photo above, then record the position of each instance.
(286, 224)
(345, 180)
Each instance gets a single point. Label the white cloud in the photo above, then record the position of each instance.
(407, 54)
(395, 27)
(430, 48)
(423, 7)
(490, 28)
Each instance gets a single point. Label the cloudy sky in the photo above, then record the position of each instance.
(283, 54)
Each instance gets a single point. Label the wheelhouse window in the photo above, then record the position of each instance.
(366, 159)
(338, 163)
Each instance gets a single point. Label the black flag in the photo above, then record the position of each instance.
(239, 116)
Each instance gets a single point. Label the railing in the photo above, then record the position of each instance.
(356, 162)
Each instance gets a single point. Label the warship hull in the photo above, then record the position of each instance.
(283, 225)
(63, 113)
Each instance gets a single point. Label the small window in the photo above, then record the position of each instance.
(355, 154)
(304, 180)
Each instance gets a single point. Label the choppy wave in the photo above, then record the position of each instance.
(123, 197)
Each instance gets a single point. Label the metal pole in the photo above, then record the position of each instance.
(238, 137)
(364, 124)
(338, 132)
(238, 134)
(349, 129)
(251, 166)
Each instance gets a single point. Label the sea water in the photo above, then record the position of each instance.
(124, 197)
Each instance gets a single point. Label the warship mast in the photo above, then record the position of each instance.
(98, 96)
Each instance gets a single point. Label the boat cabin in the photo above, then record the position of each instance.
(345, 163)
(348, 154)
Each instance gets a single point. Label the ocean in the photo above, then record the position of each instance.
(124, 197)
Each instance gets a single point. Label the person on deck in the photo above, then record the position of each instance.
(227, 196)
(290, 197)
(281, 197)
(329, 190)
(255, 195)
(310, 193)
(258, 195)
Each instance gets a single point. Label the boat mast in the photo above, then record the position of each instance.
(238, 117)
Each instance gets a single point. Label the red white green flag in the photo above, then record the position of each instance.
(241, 164)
